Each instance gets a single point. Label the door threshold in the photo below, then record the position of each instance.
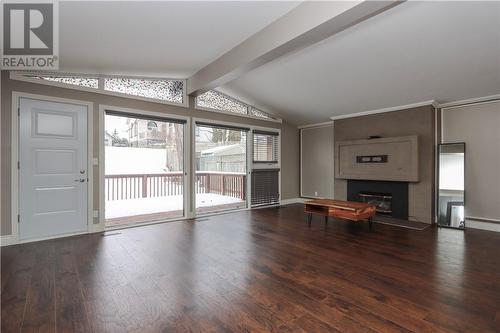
(140, 224)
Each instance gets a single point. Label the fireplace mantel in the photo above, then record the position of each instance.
(389, 159)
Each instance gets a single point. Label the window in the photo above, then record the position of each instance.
(144, 172)
(166, 90)
(216, 100)
(152, 125)
(257, 113)
(265, 147)
(81, 81)
(221, 167)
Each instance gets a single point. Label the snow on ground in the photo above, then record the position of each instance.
(122, 208)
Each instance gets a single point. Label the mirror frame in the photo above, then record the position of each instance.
(438, 153)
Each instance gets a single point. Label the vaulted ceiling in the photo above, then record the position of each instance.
(157, 38)
(413, 52)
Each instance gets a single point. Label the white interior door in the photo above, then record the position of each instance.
(53, 168)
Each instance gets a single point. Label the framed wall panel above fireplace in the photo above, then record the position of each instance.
(389, 159)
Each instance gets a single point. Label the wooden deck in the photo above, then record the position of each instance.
(263, 270)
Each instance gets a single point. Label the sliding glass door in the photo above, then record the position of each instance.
(145, 174)
(144, 168)
(220, 167)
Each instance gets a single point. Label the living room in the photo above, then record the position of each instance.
(271, 166)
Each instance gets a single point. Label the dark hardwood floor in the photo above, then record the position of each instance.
(257, 271)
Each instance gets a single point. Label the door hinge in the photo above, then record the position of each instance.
(18, 165)
(18, 218)
(19, 111)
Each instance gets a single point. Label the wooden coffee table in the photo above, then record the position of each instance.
(348, 210)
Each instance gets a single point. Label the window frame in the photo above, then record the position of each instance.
(246, 115)
(23, 76)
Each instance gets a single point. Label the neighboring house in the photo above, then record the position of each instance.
(147, 133)
(157, 134)
(231, 158)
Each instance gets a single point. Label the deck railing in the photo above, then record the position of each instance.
(230, 184)
(135, 186)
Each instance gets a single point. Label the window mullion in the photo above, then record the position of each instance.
(100, 83)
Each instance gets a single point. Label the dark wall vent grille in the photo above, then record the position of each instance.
(265, 187)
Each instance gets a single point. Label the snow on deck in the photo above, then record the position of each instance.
(141, 206)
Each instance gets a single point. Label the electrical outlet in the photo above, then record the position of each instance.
(95, 161)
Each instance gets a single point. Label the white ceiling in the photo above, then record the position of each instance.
(173, 39)
(415, 52)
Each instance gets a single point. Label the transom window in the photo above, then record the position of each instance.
(170, 91)
(216, 100)
(259, 113)
(88, 82)
(166, 90)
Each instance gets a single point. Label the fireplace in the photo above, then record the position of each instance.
(383, 201)
(391, 198)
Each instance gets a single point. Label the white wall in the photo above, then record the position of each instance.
(478, 125)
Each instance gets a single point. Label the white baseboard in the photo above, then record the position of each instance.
(291, 201)
(476, 224)
(12, 240)
(7, 240)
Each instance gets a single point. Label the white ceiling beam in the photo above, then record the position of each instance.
(306, 24)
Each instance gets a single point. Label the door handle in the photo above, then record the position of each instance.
(81, 180)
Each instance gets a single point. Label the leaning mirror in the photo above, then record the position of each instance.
(451, 185)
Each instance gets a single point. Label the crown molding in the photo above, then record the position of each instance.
(468, 101)
(384, 110)
(323, 124)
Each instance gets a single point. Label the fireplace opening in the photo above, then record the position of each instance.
(390, 198)
(383, 201)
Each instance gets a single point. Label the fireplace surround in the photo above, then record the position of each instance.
(391, 198)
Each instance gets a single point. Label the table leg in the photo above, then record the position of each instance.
(309, 218)
(326, 220)
(370, 222)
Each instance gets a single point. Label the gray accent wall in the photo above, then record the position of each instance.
(289, 149)
(418, 121)
(317, 163)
